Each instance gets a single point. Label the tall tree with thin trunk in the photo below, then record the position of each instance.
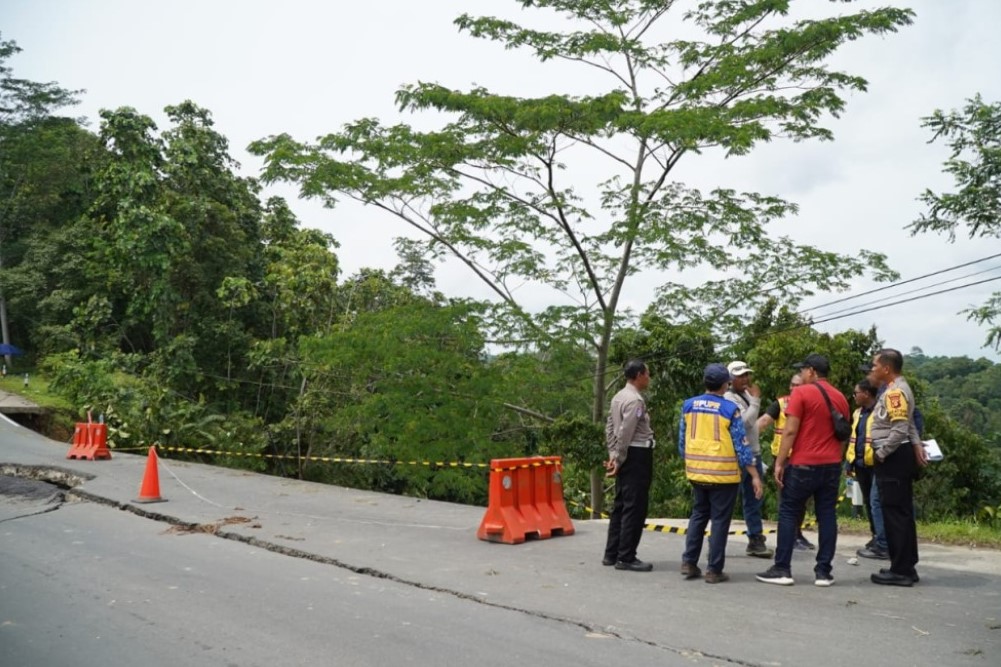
(506, 186)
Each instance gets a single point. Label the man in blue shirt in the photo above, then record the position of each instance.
(711, 439)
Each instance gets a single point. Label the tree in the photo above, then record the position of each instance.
(973, 135)
(170, 224)
(407, 382)
(24, 104)
(499, 187)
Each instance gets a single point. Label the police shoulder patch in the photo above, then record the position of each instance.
(896, 404)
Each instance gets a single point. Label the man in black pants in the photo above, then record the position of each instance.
(897, 454)
(630, 461)
(859, 456)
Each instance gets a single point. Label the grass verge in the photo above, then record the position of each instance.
(958, 532)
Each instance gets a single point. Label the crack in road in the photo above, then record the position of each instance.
(214, 529)
(53, 508)
(69, 480)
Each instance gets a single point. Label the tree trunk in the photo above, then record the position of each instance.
(597, 412)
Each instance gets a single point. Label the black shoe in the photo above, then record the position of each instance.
(633, 566)
(873, 552)
(914, 575)
(607, 562)
(756, 547)
(776, 575)
(887, 578)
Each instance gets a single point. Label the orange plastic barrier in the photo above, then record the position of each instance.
(90, 441)
(526, 500)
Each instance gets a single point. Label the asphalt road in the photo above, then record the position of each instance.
(318, 574)
(86, 585)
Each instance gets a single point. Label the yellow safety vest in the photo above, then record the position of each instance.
(780, 425)
(710, 457)
(868, 453)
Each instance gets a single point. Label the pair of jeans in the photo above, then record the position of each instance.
(878, 525)
(800, 483)
(710, 503)
(632, 497)
(752, 505)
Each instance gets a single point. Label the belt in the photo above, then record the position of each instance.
(818, 466)
(882, 443)
(644, 444)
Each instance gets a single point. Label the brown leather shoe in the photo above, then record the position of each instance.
(690, 571)
(716, 577)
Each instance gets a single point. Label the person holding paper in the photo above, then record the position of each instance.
(897, 453)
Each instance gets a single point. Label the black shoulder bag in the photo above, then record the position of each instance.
(842, 427)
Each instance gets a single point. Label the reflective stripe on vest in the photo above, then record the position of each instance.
(710, 460)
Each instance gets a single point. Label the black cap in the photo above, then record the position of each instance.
(817, 362)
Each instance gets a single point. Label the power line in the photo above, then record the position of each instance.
(916, 298)
(898, 284)
(913, 291)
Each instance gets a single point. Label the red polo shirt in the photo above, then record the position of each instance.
(815, 443)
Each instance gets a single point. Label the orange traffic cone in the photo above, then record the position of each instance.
(149, 492)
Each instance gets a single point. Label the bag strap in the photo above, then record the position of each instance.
(827, 400)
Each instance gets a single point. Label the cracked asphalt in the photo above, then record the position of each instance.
(953, 617)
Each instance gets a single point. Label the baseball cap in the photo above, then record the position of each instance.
(817, 362)
(716, 374)
(738, 368)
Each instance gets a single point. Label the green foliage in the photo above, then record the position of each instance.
(973, 135)
(967, 479)
(142, 409)
(968, 390)
(406, 383)
(576, 438)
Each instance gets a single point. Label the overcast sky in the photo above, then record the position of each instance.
(306, 68)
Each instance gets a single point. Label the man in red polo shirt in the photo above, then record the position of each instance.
(812, 470)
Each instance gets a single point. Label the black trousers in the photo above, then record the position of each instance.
(632, 495)
(895, 479)
(863, 477)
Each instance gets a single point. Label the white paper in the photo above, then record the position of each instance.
(933, 450)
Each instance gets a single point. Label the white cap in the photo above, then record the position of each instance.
(738, 368)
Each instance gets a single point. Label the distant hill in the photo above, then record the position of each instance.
(968, 389)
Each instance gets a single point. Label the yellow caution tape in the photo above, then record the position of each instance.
(339, 459)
